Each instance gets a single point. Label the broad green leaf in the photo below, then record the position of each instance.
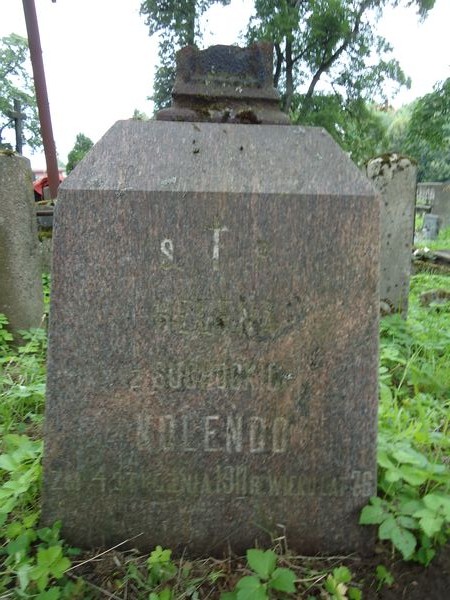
(47, 556)
(165, 594)
(413, 475)
(409, 456)
(354, 594)
(431, 524)
(8, 463)
(372, 515)
(251, 588)
(425, 555)
(384, 576)
(283, 580)
(393, 475)
(409, 507)
(342, 574)
(404, 541)
(228, 596)
(384, 460)
(23, 575)
(438, 503)
(54, 593)
(262, 562)
(407, 522)
(338, 590)
(40, 574)
(386, 528)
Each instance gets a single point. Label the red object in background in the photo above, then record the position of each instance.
(40, 184)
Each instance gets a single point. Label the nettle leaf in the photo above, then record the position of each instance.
(386, 528)
(403, 540)
(384, 460)
(23, 575)
(407, 522)
(40, 575)
(283, 580)
(373, 515)
(409, 507)
(338, 590)
(425, 555)
(53, 561)
(54, 593)
(342, 574)
(262, 563)
(8, 462)
(438, 503)
(413, 475)
(430, 522)
(354, 594)
(408, 455)
(251, 588)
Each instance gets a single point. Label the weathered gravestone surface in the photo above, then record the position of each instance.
(430, 230)
(437, 194)
(21, 296)
(212, 368)
(395, 178)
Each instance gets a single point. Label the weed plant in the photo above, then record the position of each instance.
(411, 510)
(443, 240)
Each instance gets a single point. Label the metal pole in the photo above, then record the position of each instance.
(40, 86)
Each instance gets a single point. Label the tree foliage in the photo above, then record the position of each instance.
(16, 83)
(328, 44)
(177, 24)
(422, 130)
(82, 146)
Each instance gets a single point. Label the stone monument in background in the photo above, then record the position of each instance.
(436, 194)
(395, 177)
(212, 372)
(21, 298)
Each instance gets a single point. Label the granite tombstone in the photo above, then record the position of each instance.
(212, 369)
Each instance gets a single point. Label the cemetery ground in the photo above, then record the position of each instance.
(411, 513)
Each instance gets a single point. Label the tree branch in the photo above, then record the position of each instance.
(327, 63)
(277, 73)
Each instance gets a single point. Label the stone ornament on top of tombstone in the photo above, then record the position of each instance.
(225, 84)
(212, 369)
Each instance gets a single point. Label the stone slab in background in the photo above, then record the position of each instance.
(212, 371)
(21, 296)
(395, 178)
(437, 194)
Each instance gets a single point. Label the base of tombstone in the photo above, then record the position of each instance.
(212, 370)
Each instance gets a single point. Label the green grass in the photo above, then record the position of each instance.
(442, 241)
(411, 511)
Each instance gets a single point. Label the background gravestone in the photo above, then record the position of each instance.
(430, 230)
(395, 177)
(21, 297)
(438, 196)
(212, 370)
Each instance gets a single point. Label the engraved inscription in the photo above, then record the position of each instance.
(226, 434)
(223, 480)
(241, 317)
(235, 376)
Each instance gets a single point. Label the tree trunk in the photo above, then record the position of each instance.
(289, 76)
